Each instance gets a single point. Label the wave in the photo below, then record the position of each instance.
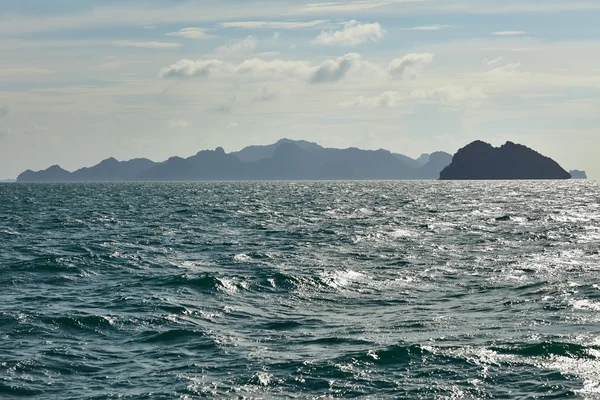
(548, 349)
(173, 336)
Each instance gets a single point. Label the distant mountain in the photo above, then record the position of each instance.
(482, 161)
(256, 153)
(575, 174)
(52, 174)
(106, 171)
(113, 170)
(411, 162)
(423, 159)
(436, 162)
(8, 181)
(204, 166)
(284, 160)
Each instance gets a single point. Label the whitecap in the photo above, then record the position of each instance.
(242, 258)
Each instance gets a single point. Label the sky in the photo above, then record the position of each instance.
(81, 81)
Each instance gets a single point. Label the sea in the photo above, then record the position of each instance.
(300, 290)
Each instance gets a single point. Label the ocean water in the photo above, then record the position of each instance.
(366, 290)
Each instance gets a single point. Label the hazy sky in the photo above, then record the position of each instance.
(84, 80)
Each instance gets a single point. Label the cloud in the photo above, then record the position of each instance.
(509, 33)
(147, 45)
(232, 125)
(505, 71)
(189, 68)
(447, 95)
(427, 28)
(178, 124)
(494, 61)
(187, 12)
(334, 70)
(354, 33)
(328, 71)
(273, 24)
(388, 99)
(409, 64)
(265, 94)
(244, 46)
(336, 7)
(4, 111)
(289, 69)
(450, 94)
(191, 33)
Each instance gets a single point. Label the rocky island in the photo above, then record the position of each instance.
(482, 161)
(576, 174)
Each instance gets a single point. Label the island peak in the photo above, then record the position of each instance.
(481, 161)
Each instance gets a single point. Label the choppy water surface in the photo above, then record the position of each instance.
(418, 290)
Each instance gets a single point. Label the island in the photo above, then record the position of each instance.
(482, 161)
(284, 160)
(576, 174)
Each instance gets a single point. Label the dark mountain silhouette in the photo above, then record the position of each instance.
(205, 165)
(482, 161)
(52, 174)
(302, 160)
(436, 162)
(576, 174)
(113, 170)
(411, 162)
(256, 153)
(107, 170)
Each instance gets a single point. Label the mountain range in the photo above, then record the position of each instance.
(284, 160)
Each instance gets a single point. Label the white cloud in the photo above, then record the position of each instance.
(191, 33)
(449, 94)
(328, 71)
(288, 69)
(427, 28)
(121, 15)
(334, 70)
(189, 68)
(494, 61)
(446, 95)
(232, 125)
(147, 45)
(509, 33)
(409, 64)
(244, 46)
(178, 124)
(4, 111)
(336, 7)
(505, 71)
(273, 24)
(354, 33)
(388, 99)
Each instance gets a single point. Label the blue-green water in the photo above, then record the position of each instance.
(416, 290)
